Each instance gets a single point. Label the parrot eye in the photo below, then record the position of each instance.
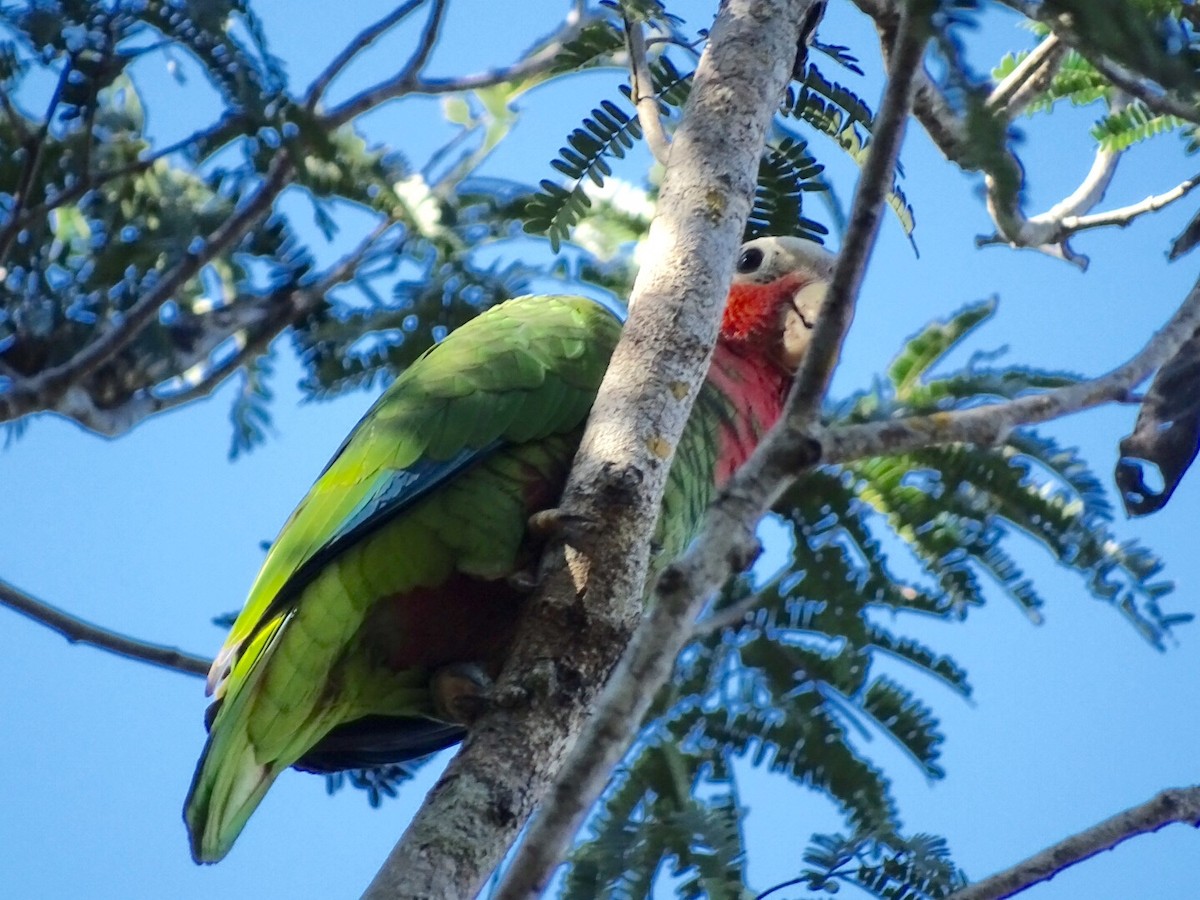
(749, 261)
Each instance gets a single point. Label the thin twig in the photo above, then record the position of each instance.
(1168, 807)
(1124, 215)
(402, 85)
(721, 619)
(77, 631)
(361, 41)
(429, 35)
(644, 100)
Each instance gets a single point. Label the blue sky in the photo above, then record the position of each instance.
(157, 532)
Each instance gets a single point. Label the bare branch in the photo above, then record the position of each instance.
(1028, 79)
(1155, 97)
(1173, 805)
(1123, 215)
(650, 657)
(643, 93)
(990, 424)
(724, 618)
(45, 390)
(573, 628)
(429, 36)
(362, 41)
(1046, 232)
(812, 381)
(77, 631)
(406, 83)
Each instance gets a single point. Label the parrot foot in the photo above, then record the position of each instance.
(460, 692)
(547, 523)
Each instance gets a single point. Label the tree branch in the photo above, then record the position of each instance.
(990, 424)
(643, 93)
(1155, 97)
(1034, 73)
(1047, 232)
(408, 82)
(362, 41)
(254, 324)
(46, 389)
(1170, 806)
(574, 627)
(650, 657)
(77, 631)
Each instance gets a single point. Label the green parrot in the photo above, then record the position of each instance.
(401, 573)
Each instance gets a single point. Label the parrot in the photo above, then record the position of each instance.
(392, 591)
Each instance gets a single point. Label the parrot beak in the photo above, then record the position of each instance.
(798, 321)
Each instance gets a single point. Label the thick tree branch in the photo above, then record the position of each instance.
(78, 631)
(650, 657)
(1170, 806)
(575, 626)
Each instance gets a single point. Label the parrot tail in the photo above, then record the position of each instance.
(230, 778)
(228, 785)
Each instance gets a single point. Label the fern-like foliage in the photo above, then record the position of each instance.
(603, 136)
(1132, 124)
(250, 414)
(378, 783)
(786, 173)
(886, 866)
(837, 112)
(788, 169)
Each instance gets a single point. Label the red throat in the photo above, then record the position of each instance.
(754, 308)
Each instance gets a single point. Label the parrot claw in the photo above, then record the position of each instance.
(524, 580)
(547, 523)
(460, 692)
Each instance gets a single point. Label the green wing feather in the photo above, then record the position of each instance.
(404, 503)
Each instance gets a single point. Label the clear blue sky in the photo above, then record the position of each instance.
(155, 533)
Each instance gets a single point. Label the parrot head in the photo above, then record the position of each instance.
(777, 291)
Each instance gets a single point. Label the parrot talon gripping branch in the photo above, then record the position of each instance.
(388, 602)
